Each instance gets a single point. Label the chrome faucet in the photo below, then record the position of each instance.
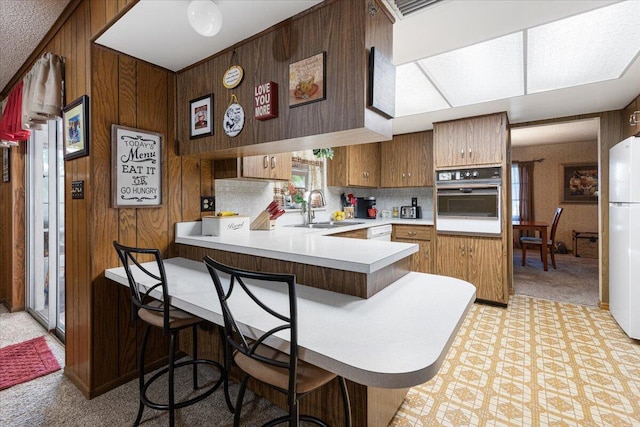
(310, 214)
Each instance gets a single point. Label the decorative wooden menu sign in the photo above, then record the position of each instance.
(136, 167)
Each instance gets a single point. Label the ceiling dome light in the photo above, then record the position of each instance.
(205, 17)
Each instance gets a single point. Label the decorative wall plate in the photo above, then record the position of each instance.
(233, 121)
(233, 76)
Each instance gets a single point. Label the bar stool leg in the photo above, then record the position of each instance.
(141, 374)
(172, 350)
(195, 356)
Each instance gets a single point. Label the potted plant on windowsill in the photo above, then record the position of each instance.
(323, 153)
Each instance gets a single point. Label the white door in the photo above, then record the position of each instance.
(45, 227)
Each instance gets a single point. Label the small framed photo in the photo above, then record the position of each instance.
(307, 80)
(579, 183)
(75, 124)
(201, 117)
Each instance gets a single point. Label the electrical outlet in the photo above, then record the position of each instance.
(207, 203)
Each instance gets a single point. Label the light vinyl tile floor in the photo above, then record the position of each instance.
(537, 363)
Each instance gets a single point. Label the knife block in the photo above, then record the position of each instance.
(263, 222)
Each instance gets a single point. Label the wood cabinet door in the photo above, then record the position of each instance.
(628, 128)
(391, 163)
(449, 144)
(418, 158)
(363, 165)
(485, 139)
(256, 167)
(485, 258)
(423, 260)
(451, 260)
(280, 166)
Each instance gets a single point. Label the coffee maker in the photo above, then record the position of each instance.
(363, 204)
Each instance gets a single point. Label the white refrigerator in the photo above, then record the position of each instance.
(624, 235)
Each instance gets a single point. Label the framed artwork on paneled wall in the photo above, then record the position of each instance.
(579, 183)
(307, 80)
(201, 117)
(75, 128)
(136, 168)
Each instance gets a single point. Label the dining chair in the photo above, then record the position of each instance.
(536, 242)
(285, 373)
(159, 313)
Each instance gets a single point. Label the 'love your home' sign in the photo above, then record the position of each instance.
(136, 167)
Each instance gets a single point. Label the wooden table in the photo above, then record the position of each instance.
(540, 227)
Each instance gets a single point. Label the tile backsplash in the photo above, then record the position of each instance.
(251, 197)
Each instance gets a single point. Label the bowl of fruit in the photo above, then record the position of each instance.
(338, 216)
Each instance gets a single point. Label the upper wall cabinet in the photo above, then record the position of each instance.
(407, 160)
(470, 142)
(631, 119)
(345, 32)
(355, 166)
(274, 167)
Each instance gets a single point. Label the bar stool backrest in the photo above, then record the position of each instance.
(228, 282)
(151, 280)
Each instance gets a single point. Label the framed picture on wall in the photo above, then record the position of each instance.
(136, 168)
(201, 117)
(75, 127)
(579, 183)
(307, 80)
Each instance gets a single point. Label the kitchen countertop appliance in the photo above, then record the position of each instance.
(363, 204)
(468, 201)
(380, 232)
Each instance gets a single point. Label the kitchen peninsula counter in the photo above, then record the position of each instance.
(354, 267)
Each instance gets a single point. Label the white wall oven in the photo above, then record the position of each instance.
(468, 201)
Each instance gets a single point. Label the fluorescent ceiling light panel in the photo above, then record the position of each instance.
(414, 92)
(482, 72)
(586, 48)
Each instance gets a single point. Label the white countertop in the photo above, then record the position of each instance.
(397, 338)
(309, 246)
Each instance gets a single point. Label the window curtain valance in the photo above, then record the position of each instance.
(37, 98)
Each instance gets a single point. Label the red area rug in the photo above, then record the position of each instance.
(25, 361)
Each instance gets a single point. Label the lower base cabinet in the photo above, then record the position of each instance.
(423, 260)
(478, 260)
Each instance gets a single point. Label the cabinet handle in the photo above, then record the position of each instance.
(411, 233)
(426, 254)
(403, 175)
(633, 119)
(462, 248)
(274, 162)
(470, 250)
(470, 153)
(462, 153)
(265, 162)
(409, 175)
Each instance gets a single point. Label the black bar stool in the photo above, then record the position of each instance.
(160, 314)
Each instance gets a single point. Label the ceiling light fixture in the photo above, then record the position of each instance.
(205, 17)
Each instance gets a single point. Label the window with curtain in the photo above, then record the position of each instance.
(515, 192)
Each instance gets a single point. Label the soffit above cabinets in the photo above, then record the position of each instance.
(157, 31)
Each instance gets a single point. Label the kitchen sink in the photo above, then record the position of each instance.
(326, 224)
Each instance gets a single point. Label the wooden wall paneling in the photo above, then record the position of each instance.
(98, 15)
(335, 28)
(130, 332)
(127, 116)
(104, 220)
(174, 166)
(111, 9)
(151, 222)
(190, 188)
(6, 211)
(18, 156)
(610, 135)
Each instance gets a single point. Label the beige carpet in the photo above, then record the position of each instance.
(574, 281)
